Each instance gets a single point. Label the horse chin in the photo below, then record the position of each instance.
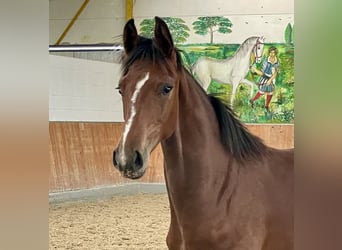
(133, 174)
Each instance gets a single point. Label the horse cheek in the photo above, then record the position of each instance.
(126, 108)
(171, 120)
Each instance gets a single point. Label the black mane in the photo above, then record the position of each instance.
(234, 135)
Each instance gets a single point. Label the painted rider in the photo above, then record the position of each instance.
(268, 73)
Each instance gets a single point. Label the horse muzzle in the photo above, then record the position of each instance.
(131, 165)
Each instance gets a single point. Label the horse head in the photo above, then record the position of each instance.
(149, 90)
(258, 49)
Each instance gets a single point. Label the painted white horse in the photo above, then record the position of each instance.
(232, 70)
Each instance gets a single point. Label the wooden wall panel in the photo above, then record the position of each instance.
(277, 136)
(81, 153)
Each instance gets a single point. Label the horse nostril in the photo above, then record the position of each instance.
(138, 159)
(114, 158)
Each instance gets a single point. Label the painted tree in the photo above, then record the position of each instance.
(178, 29)
(289, 33)
(212, 24)
(147, 28)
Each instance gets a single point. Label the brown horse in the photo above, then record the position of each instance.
(227, 190)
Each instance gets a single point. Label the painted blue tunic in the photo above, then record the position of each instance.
(268, 68)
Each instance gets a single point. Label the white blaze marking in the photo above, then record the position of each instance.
(133, 112)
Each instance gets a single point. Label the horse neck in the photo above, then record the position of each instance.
(246, 48)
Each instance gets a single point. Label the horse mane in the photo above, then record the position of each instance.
(244, 46)
(234, 135)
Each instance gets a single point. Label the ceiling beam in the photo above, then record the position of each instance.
(60, 39)
(129, 9)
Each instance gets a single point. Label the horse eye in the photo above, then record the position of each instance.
(166, 89)
(118, 88)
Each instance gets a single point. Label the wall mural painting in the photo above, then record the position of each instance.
(255, 76)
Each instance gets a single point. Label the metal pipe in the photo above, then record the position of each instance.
(62, 48)
(72, 22)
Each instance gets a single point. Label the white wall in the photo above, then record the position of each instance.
(103, 20)
(268, 18)
(82, 90)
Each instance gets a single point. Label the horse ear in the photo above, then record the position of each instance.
(163, 37)
(130, 36)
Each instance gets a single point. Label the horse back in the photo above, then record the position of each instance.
(218, 69)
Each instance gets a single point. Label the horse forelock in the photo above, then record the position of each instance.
(261, 39)
(146, 49)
